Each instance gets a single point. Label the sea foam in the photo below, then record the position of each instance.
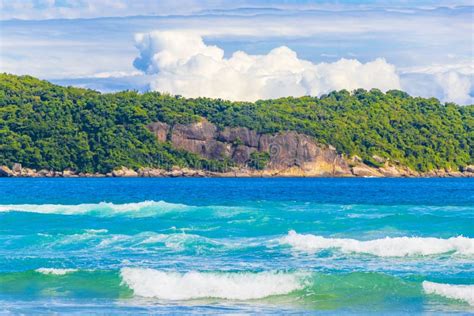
(55, 271)
(385, 247)
(195, 285)
(145, 208)
(457, 292)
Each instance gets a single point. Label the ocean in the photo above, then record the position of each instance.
(236, 246)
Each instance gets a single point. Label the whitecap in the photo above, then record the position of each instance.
(145, 208)
(457, 292)
(96, 231)
(194, 285)
(384, 247)
(55, 271)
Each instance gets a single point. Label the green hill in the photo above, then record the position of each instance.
(43, 125)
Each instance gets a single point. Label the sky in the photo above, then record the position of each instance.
(244, 50)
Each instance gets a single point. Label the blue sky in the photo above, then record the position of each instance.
(423, 47)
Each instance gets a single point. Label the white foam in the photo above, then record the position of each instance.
(385, 247)
(195, 285)
(180, 241)
(145, 208)
(96, 231)
(457, 292)
(55, 271)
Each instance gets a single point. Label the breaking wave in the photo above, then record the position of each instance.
(457, 292)
(145, 208)
(138, 209)
(55, 271)
(327, 291)
(385, 247)
(196, 285)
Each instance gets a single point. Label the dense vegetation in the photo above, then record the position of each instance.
(48, 126)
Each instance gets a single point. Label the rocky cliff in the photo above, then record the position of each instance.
(289, 153)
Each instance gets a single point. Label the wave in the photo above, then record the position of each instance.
(196, 285)
(99, 240)
(385, 247)
(55, 271)
(145, 208)
(102, 240)
(319, 291)
(457, 292)
(138, 209)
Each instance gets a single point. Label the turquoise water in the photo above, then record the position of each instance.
(236, 246)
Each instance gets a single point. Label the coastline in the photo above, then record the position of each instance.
(294, 172)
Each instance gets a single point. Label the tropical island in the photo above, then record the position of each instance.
(50, 130)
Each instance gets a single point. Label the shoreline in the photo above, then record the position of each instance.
(19, 172)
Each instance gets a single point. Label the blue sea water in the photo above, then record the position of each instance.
(223, 246)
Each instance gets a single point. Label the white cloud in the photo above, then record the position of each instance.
(456, 87)
(58, 9)
(183, 64)
(449, 82)
(423, 43)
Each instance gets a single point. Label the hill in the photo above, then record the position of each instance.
(46, 126)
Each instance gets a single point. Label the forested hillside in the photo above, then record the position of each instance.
(43, 125)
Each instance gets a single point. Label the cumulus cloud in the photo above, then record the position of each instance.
(456, 87)
(449, 82)
(183, 64)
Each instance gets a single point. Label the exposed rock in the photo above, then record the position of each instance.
(469, 168)
(150, 172)
(356, 159)
(190, 172)
(391, 171)
(241, 154)
(27, 172)
(379, 159)
(291, 155)
(45, 173)
(430, 174)
(239, 136)
(6, 172)
(124, 172)
(287, 150)
(87, 175)
(316, 169)
(365, 171)
(115, 173)
(68, 173)
(292, 149)
(160, 130)
(201, 173)
(175, 173)
(455, 174)
(200, 138)
(17, 168)
(202, 130)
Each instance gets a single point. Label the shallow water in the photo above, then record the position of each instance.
(236, 245)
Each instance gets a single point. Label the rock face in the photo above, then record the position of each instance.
(160, 130)
(6, 172)
(365, 171)
(124, 172)
(200, 138)
(290, 152)
(290, 155)
(469, 169)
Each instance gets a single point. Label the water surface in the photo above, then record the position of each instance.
(236, 245)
